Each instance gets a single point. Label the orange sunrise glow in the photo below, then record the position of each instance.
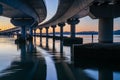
(86, 24)
(5, 23)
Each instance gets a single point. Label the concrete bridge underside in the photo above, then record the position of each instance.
(24, 9)
(69, 11)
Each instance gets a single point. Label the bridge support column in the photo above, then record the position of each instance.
(23, 22)
(106, 30)
(23, 33)
(47, 37)
(34, 36)
(17, 34)
(40, 36)
(31, 31)
(73, 22)
(53, 26)
(61, 25)
(30, 36)
(34, 32)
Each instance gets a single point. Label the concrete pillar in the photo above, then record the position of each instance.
(34, 32)
(23, 32)
(46, 36)
(53, 26)
(34, 39)
(106, 30)
(31, 31)
(40, 36)
(40, 31)
(61, 25)
(17, 34)
(73, 22)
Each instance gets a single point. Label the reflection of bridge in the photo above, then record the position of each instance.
(37, 66)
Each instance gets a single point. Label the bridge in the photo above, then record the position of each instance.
(29, 14)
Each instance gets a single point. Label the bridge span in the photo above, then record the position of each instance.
(29, 14)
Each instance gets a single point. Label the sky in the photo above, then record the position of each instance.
(86, 23)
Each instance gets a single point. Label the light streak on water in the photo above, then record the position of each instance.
(51, 70)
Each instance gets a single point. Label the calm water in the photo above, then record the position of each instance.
(32, 61)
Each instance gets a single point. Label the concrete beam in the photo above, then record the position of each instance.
(23, 7)
(22, 21)
(106, 11)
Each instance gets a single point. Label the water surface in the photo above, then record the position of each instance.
(31, 61)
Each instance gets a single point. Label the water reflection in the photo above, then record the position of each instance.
(54, 50)
(106, 69)
(26, 68)
(40, 41)
(36, 63)
(47, 45)
(105, 74)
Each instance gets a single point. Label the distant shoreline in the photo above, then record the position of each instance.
(117, 32)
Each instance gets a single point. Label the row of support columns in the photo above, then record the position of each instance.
(105, 31)
(72, 22)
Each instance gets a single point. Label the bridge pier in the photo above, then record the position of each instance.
(106, 30)
(61, 25)
(73, 22)
(53, 26)
(40, 36)
(105, 13)
(17, 34)
(23, 22)
(46, 37)
(34, 32)
(23, 33)
(31, 31)
(34, 36)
